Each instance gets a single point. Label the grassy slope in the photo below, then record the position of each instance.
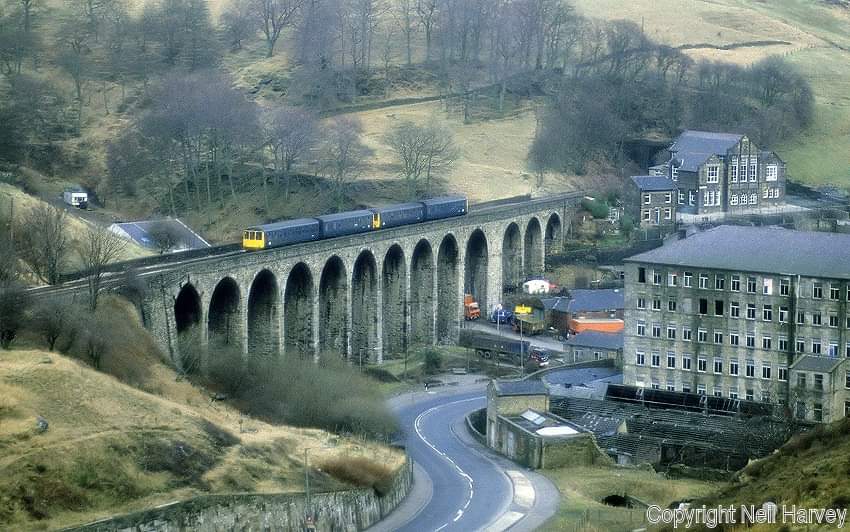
(112, 448)
(583, 488)
(817, 33)
(812, 471)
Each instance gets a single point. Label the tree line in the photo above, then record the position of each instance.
(621, 87)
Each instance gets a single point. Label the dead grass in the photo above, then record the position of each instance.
(360, 471)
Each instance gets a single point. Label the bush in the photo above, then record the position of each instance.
(96, 471)
(598, 209)
(433, 361)
(360, 471)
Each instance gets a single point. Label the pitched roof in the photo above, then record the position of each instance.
(147, 232)
(595, 300)
(772, 250)
(816, 363)
(597, 339)
(653, 183)
(692, 148)
(520, 387)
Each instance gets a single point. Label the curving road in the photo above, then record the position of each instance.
(460, 486)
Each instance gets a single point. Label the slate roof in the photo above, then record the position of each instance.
(815, 363)
(692, 148)
(597, 339)
(772, 250)
(141, 232)
(520, 387)
(590, 301)
(653, 183)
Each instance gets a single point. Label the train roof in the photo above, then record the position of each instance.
(443, 199)
(398, 206)
(298, 222)
(343, 215)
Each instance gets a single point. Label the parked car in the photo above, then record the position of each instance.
(502, 316)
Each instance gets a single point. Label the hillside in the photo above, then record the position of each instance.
(816, 36)
(811, 470)
(111, 447)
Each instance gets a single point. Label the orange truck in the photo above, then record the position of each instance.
(471, 311)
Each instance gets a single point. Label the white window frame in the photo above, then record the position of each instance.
(733, 199)
(771, 172)
(712, 173)
(647, 198)
(754, 199)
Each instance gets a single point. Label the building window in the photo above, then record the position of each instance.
(718, 365)
(816, 318)
(668, 213)
(718, 337)
(766, 193)
(733, 367)
(734, 339)
(656, 277)
(671, 305)
(719, 282)
(655, 359)
(641, 275)
(753, 169)
(751, 368)
(736, 283)
(783, 343)
(681, 198)
(751, 285)
(712, 174)
(656, 330)
(733, 199)
(733, 170)
(817, 411)
(701, 364)
(771, 172)
(702, 335)
(751, 340)
(754, 199)
(674, 172)
(801, 380)
(783, 314)
(701, 389)
(784, 287)
(817, 290)
(671, 332)
(686, 334)
(766, 342)
(847, 379)
(671, 359)
(703, 306)
(818, 382)
(801, 318)
(800, 410)
(647, 215)
(718, 391)
(692, 198)
(783, 373)
(641, 328)
(718, 307)
(801, 345)
(833, 320)
(846, 408)
(751, 311)
(767, 313)
(671, 386)
(765, 371)
(832, 350)
(834, 292)
(688, 279)
(641, 303)
(816, 345)
(734, 309)
(767, 287)
(703, 280)
(733, 394)
(847, 350)
(686, 362)
(672, 279)
(656, 304)
(640, 358)
(647, 199)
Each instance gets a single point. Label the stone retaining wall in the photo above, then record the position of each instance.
(335, 511)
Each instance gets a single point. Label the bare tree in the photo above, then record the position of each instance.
(99, 247)
(14, 303)
(165, 236)
(409, 142)
(239, 22)
(291, 134)
(274, 16)
(405, 18)
(8, 255)
(428, 14)
(51, 320)
(440, 151)
(43, 242)
(343, 153)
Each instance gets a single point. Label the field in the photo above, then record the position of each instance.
(113, 448)
(819, 46)
(583, 488)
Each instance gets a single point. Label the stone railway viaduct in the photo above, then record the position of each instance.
(364, 295)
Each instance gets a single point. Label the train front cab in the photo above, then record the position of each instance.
(376, 219)
(253, 239)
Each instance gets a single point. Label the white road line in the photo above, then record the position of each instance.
(417, 426)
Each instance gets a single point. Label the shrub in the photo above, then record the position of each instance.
(433, 361)
(360, 471)
(598, 209)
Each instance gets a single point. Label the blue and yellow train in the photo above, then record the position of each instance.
(352, 222)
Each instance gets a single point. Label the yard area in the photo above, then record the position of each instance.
(583, 488)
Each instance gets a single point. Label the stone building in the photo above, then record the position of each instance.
(723, 172)
(586, 310)
(592, 345)
(728, 311)
(820, 388)
(651, 200)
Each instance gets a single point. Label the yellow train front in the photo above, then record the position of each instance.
(352, 222)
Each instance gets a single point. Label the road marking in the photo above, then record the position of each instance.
(507, 520)
(523, 489)
(417, 426)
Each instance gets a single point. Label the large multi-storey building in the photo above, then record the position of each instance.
(723, 172)
(756, 313)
